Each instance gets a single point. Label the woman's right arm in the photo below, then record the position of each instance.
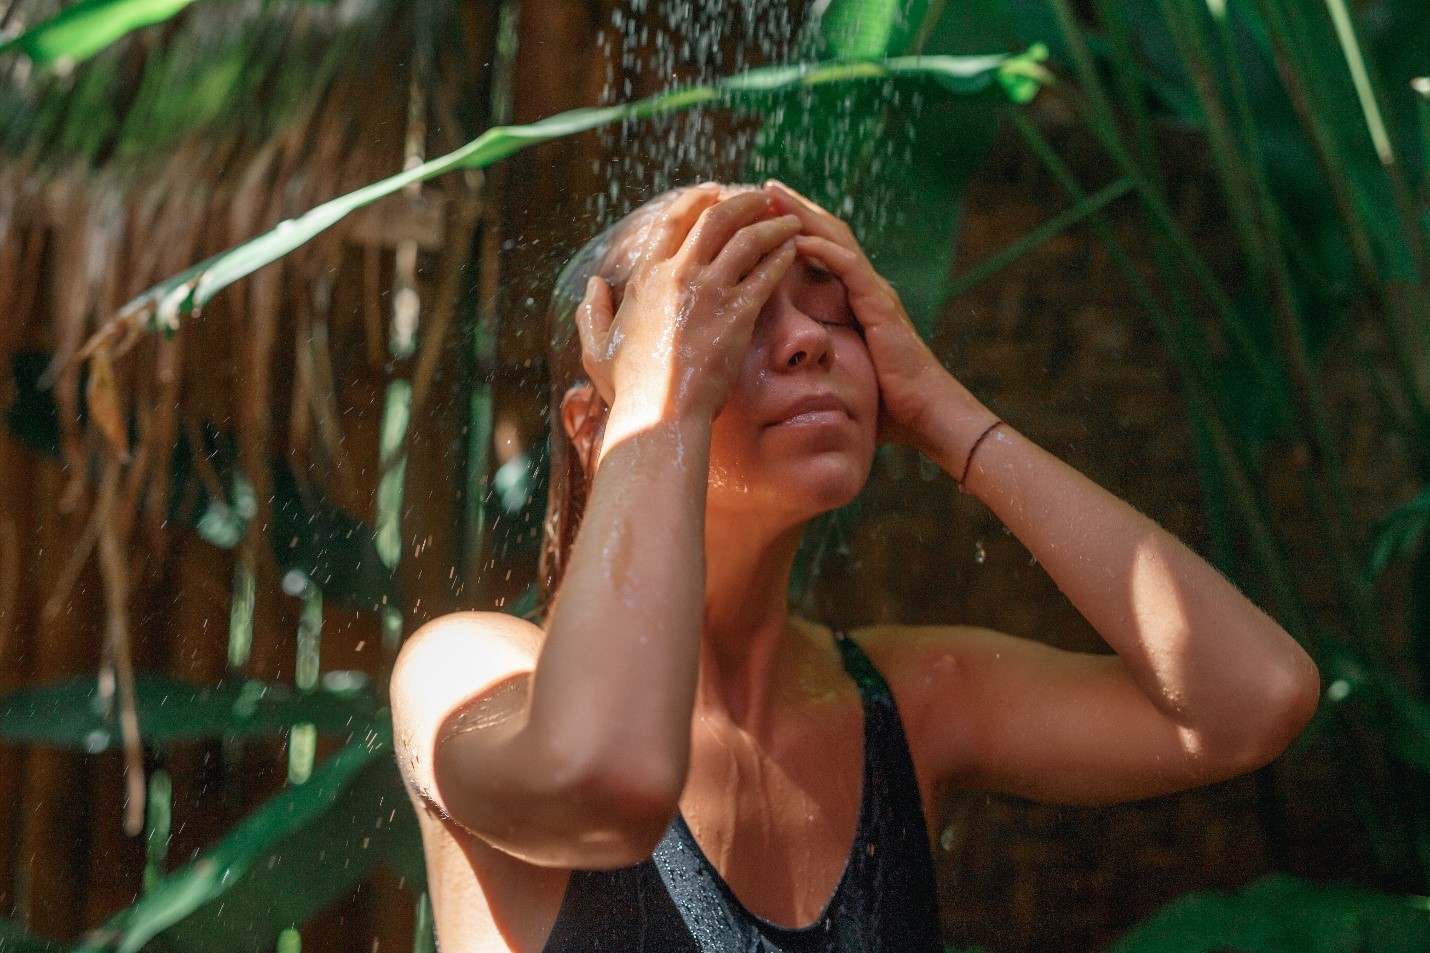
(572, 751)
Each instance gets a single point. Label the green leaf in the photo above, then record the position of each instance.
(162, 305)
(282, 865)
(328, 546)
(912, 240)
(72, 713)
(1397, 533)
(84, 28)
(1282, 914)
(859, 29)
(13, 939)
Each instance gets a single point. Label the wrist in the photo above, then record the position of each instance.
(635, 416)
(951, 424)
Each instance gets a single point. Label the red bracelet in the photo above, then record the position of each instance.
(968, 460)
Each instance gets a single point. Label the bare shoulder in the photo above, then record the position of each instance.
(913, 657)
(451, 665)
(935, 673)
(471, 636)
(457, 672)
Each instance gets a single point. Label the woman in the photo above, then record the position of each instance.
(674, 762)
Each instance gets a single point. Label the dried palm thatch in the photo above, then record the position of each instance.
(173, 144)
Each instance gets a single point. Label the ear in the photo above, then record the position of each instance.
(583, 415)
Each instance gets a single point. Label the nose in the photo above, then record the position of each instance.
(797, 338)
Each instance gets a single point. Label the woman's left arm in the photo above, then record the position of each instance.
(1204, 685)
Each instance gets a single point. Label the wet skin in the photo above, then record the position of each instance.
(736, 391)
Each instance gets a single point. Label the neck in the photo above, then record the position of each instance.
(746, 616)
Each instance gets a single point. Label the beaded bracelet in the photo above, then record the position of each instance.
(968, 460)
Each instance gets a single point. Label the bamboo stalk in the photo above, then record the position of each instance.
(480, 409)
(240, 617)
(303, 738)
(158, 823)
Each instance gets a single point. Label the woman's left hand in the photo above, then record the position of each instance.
(907, 370)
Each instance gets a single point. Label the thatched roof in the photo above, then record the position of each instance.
(180, 141)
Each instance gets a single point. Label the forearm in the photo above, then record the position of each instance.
(615, 682)
(1201, 652)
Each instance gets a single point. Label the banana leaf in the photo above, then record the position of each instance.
(84, 28)
(73, 714)
(1282, 914)
(161, 306)
(283, 865)
(893, 160)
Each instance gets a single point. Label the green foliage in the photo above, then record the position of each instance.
(1333, 236)
(84, 28)
(15, 940)
(328, 546)
(162, 305)
(283, 864)
(1398, 533)
(1284, 915)
(76, 714)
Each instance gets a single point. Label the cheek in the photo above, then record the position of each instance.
(863, 380)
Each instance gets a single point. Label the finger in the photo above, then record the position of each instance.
(757, 287)
(719, 223)
(594, 316)
(849, 266)
(753, 242)
(673, 225)
(816, 219)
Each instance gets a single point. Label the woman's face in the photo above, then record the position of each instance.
(800, 428)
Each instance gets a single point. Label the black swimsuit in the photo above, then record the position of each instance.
(676, 902)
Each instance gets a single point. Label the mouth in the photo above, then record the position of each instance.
(812, 410)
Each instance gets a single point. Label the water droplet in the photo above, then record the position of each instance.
(979, 553)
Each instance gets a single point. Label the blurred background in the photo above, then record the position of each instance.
(1180, 243)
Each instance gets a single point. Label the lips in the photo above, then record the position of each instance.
(813, 408)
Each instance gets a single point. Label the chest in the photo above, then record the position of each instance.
(777, 822)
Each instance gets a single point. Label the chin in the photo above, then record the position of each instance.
(823, 482)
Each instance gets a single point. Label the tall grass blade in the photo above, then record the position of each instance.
(1365, 92)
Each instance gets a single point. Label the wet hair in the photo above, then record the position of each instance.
(611, 255)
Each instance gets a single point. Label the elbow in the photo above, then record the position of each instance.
(624, 811)
(635, 807)
(1288, 699)
(1295, 697)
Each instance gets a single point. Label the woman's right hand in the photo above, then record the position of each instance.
(703, 271)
